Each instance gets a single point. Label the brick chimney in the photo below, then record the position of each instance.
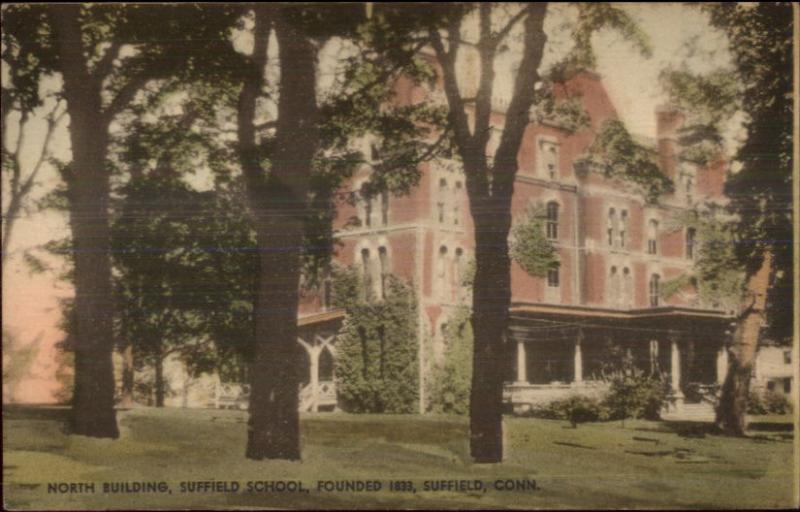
(669, 119)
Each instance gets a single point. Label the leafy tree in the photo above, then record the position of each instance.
(105, 54)
(18, 360)
(490, 178)
(293, 165)
(376, 363)
(759, 84)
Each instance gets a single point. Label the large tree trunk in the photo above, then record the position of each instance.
(278, 204)
(126, 400)
(159, 384)
(491, 300)
(88, 191)
(732, 407)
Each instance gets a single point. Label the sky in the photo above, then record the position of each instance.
(30, 302)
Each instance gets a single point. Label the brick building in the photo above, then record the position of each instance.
(615, 253)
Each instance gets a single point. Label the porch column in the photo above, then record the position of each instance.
(722, 364)
(675, 373)
(653, 356)
(522, 363)
(578, 358)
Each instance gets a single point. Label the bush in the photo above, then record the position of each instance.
(451, 382)
(576, 409)
(768, 402)
(635, 394)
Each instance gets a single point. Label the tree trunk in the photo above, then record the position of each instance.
(278, 205)
(159, 385)
(732, 409)
(491, 300)
(88, 192)
(126, 401)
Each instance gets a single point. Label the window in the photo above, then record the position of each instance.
(612, 222)
(456, 199)
(787, 357)
(458, 274)
(365, 207)
(652, 237)
(383, 257)
(787, 385)
(366, 271)
(374, 154)
(689, 189)
(627, 288)
(623, 225)
(654, 289)
(613, 287)
(553, 277)
(385, 208)
(440, 206)
(552, 220)
(441, 272)
(549, 159)
(690, 243)
(327, 294)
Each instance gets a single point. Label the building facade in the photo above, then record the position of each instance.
(615, 249)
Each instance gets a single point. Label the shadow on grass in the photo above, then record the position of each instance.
(59, 413)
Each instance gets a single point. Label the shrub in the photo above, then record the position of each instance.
(576, 409)
(767, 402)
(635, 394)
(451, 382)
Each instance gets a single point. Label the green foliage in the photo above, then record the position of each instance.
(636, 394)
(452, 380)
(622, 157)
(768, 402)
(376, 363)
(530, 248)
(718, 273)
(596, 16)
(18, 359)
(576, 409)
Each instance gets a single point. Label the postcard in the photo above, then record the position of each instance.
(400, 256)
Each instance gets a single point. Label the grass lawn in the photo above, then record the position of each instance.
(601, 465)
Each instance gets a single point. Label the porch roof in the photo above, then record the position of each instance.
(319, 318)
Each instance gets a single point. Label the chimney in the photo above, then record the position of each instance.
(669, 119)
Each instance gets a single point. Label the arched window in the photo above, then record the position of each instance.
(552, 220)
(458, 274)
(691, 233)
(384, 208)
(613, 286)
(652, 237)
(365, 207)
(611, 226)
(456, 203)
(366, 272)
(383, 258)
(327, 294)
(442, 201)
(441, 272)
(627, 288)
(655, 284)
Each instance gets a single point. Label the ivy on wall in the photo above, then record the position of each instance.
(529, 247)
(451, 381)
(621, 156)
(376, 363)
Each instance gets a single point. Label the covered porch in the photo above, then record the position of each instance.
(317, 335)
(565, 350)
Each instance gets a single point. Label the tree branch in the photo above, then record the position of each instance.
(106, 62)
(483, 103)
